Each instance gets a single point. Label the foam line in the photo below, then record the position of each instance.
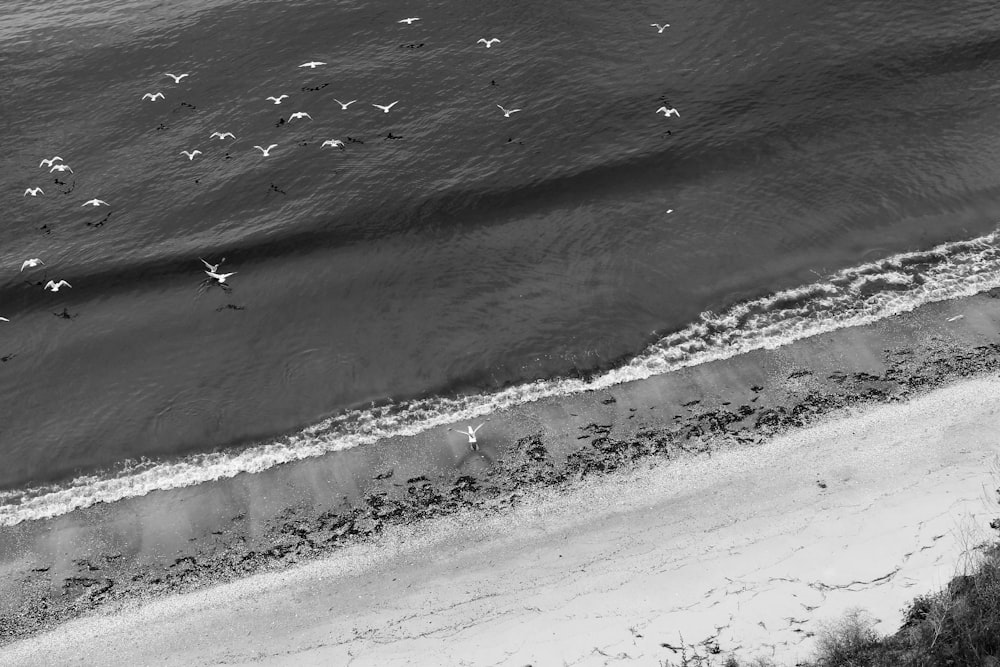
(855, 296)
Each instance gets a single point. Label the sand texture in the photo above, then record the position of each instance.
(749, 550)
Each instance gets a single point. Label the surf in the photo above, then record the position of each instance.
(854, 296)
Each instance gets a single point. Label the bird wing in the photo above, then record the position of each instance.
(63, 282)
(26, 264)
(272, 146)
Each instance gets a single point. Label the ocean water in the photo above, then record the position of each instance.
(830, 165)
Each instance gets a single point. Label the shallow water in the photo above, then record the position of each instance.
(476, 252)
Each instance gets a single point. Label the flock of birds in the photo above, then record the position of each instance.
(215, 277)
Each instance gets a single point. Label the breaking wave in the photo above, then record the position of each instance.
(851, 297)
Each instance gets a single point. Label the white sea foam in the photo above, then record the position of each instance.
(855, 296)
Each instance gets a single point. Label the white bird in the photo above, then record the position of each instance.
(214, 268)
(344, 105)
(488, 42)
(60, 167)
(191, 154)
(31, 263)
(54, 286)
(409, 21)
(47, 162)
(152, 97)
(336, 143)
(386, 107)
(176, 77)
(277, 100)
(471, 432)
(300, 114)
(507, 112)
(4, 319)
(221, 277)
(266, 151)
(95, 202)
(33, 192)
(313, 64)
(667, 112)
(660, 27)
(223, 135)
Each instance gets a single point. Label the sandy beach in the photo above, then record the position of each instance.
(734, 506)
(749, 551)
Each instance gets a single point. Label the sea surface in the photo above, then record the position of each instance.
(831, 164)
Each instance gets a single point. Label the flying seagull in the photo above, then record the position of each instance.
(667, 112)
(471, 432)
(277, 100)
(191, 154)
(266, 151)
(223, 135)
(54, 286)
(488, 42)
(386, 107)
(507, 112)
(152, 97)
(220, 277)
(336, 143)
(4, 319)
(33, 192)
(660, 27)
(47, 162)
(409, 21)
(176, 77)
(31, 263)
(300, 114)
(60, 167)
(344, 105)
(95, 202)
(313, 64)
(214, 268)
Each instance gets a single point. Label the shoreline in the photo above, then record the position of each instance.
(109, 556)
(745, 553)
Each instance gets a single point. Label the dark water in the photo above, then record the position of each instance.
(475, 252)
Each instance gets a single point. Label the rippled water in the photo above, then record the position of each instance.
(476, 252)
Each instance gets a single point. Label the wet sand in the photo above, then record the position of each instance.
(748, 552)
(337, 511)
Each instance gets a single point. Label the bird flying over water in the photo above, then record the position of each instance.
(214, 268)
(47, 162)
(336, 143)
(54, 286)
(33, 192)
(488, 42)
(223, 135)
(266, 151)
(277, 100)
(220, 277)
(660, 27)
(152, 97)
(313, 64)
(176, 77)
(667, 112)
(95, 202)
(507, 112)
(386, 107)
(344, 105)
(60, 167)
(300, 114)
(409, 21)
(31, 263)
(191, 154)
